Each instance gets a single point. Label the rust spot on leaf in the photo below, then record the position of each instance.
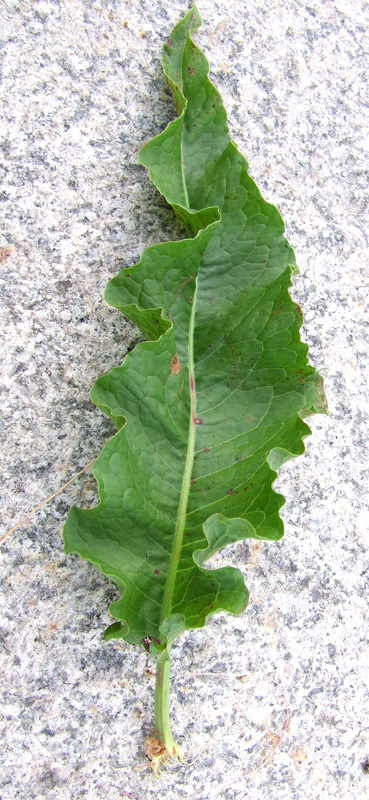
(175, 365)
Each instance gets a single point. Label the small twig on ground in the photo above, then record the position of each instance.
(41, 505)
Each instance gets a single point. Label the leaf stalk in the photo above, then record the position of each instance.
(162, 747)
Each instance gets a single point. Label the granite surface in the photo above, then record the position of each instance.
(275, 702)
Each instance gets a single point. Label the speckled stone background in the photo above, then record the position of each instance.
(273, 703)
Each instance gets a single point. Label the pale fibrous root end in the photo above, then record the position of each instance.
(160, 755)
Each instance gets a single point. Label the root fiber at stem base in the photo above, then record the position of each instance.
(159, 754)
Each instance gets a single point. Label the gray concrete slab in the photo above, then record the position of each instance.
(82, 90)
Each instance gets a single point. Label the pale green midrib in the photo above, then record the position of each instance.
(183, 176)
(186, 482)
(183, 115)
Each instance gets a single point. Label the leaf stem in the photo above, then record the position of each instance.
(170, 748)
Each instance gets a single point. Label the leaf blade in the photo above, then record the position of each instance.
(192, 466)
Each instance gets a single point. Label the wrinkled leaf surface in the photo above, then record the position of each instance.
(214, 402)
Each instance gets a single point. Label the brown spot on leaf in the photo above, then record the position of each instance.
(175, 365)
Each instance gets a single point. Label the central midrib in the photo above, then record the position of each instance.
(182, 160)
(186, 481)
(183, 176)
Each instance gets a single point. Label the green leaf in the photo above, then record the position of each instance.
(213, 403)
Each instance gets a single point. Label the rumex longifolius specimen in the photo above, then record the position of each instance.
(210, 406)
